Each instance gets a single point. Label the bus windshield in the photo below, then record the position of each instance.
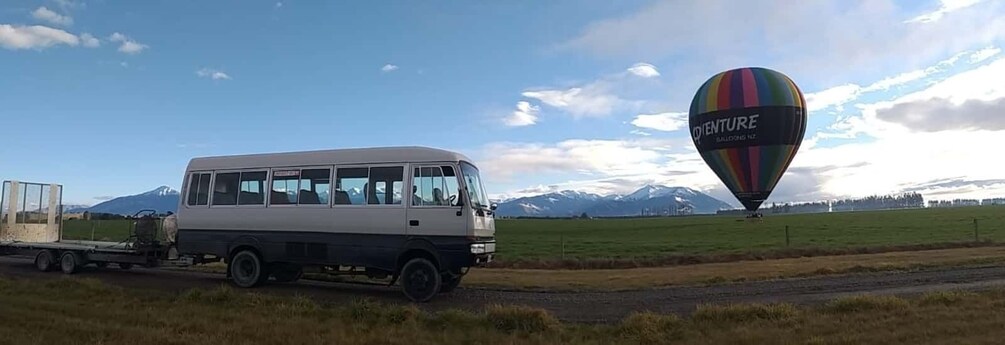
(476, 192)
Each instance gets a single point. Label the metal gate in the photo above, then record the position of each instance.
(31, 212)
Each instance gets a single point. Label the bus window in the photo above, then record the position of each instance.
(225, 188)
(252, 188)
(381, 178)
(198, 189)
(315, 186)
(434, 186)
(284, 187)
(349, 185)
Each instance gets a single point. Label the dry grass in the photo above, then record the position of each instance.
(82, 311)
(717, 273)
(681, 260)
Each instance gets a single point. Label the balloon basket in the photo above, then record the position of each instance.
(755, 217)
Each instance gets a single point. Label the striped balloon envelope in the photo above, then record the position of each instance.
(747, 124)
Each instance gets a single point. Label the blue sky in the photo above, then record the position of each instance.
(112, 97)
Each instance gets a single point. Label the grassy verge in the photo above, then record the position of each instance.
(641, 278)
(684, 259)
(82, 311)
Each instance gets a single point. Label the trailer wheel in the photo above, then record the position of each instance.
(45, 261)
(420, 280)
(246, 269)
(70, 262)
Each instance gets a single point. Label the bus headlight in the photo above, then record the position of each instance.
(478, 248)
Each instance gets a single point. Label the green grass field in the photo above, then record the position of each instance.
(537, 239)
(98, 230)
(651, 237)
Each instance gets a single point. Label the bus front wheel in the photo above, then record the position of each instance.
(420, 280)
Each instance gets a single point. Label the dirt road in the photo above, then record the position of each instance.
(569, 306)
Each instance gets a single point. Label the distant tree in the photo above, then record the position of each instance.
(584, 216)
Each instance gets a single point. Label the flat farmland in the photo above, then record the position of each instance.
(531, 239)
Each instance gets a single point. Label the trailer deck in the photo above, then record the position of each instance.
(78, 245)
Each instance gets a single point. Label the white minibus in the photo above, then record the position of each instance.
(417, 215)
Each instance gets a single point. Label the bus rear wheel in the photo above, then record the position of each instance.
(420, 280)
(247, 269)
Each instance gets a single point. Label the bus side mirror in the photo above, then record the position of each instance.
(494, 206)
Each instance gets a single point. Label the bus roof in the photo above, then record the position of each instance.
(373, 155)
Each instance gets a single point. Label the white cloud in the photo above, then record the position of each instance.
(644, 70)
(984, 54)
(920, 137)
(34, 37)
(389, 68)
(128, 46)
(588, 157)
(47, 15)
(667, 122)
(836, 40)
(212, 74)
(640, 132)
(840, 95)
(945, 7)
(938, 114)
(525, 115)
(89, 41)
(132, 47)
(834, 96)
(279, 4)
(592, 100)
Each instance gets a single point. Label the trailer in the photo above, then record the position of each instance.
(32, 226)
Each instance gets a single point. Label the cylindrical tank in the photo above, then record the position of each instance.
(171, 228)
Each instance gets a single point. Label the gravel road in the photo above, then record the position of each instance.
(570, 306)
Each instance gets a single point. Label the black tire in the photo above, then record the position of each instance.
(287, 273)
(420, 280)
(45, 261)
(247, 269)
(449, 284)
(71, 262)
(101, 264)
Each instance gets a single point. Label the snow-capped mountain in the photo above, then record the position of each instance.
(650, 191)
(564, 203)
(162, 199)
(160, 191)
(75, 208)
(647, 200)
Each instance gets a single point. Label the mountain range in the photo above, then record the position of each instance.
(162, 199)
(650, 200)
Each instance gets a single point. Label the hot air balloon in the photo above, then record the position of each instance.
(747, 124)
